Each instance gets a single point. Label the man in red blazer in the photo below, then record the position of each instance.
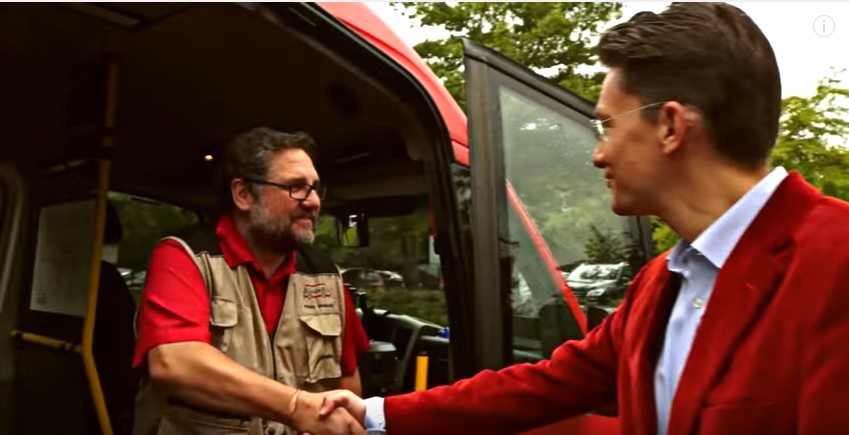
(742, 328)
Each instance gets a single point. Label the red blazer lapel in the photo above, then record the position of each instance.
(743, 288)
(651, 313)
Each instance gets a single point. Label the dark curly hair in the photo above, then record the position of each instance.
(248, 156)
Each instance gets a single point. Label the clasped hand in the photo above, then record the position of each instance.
(338, 412)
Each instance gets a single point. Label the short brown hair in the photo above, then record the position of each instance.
(249, 153)
(711, 56)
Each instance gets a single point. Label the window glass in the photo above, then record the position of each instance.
(398, 271)
(143, 224)
(548, 160)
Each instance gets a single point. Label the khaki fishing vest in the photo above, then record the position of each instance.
(304, 352)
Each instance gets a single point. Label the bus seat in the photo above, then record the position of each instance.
(114, 344)
(54, 381)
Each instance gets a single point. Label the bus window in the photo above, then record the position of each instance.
(397, 271)
(144, 223)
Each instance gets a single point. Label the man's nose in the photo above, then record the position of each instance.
(598, 157)
(312, 201)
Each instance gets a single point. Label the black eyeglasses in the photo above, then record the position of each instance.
(299, 190)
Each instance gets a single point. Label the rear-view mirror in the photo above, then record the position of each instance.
(352, 230)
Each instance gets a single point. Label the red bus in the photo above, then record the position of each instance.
(129, 104)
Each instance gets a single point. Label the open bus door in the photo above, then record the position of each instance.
(537, 135)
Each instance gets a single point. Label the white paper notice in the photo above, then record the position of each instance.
(62, 258)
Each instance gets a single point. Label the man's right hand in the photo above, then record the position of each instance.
(343, 399)
(329, 414)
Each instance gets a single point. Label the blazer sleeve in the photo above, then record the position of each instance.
(825, 364)
(579, 377)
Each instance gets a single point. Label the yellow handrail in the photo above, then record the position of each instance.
(421, 372)
(46, 341)
(103, 168)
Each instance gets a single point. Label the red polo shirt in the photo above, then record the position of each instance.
(175, 303)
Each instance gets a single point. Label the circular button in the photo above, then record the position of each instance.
(824, 25)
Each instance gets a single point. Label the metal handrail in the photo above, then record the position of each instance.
(46, 341)
(104, 166)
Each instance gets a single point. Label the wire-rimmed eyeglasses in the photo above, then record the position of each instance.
(598, 124)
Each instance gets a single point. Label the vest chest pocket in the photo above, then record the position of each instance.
(223, 316)
(323, 341)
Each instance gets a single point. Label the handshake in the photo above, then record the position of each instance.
(338, 412)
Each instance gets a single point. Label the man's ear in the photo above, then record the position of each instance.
(672, 127)
(243, 199)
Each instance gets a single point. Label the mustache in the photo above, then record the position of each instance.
(305, 214)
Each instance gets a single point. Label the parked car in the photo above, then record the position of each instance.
(362, 278)
(391, 280)
(599, 282)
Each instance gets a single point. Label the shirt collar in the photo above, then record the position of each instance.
(718, 241)
(237, 252)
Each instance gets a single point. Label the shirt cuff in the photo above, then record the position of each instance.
(374, 420)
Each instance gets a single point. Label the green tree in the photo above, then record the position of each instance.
(605, 247)
(663, 236)
(548, 155)
(813, 137)
(398, 243)
(144, 224)
(555, 39)
(812, 140)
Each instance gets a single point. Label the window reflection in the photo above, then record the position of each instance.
(548, 160)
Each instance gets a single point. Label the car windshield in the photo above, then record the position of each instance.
(593, 272)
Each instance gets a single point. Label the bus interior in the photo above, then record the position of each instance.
(138, 100)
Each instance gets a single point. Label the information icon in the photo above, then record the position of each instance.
(823, 26)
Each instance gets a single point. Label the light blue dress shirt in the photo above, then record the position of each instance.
(698, 265)
(375, 420)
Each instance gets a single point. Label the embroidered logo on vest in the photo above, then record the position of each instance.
(316, 291)
(317, 295)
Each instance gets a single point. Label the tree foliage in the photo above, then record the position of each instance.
(605, 247)
(548, 155)
(144, 223)
(813, 137)
(555, 39)
(395, 243)
(548, 160)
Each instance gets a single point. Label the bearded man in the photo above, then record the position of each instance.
(241, 325)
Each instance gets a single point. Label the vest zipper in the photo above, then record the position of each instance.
(273, 336)
(273, 339)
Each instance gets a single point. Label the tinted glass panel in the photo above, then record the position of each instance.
(548, 160)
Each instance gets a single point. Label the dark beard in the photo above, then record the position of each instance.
(277, 235)
(277, 240)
